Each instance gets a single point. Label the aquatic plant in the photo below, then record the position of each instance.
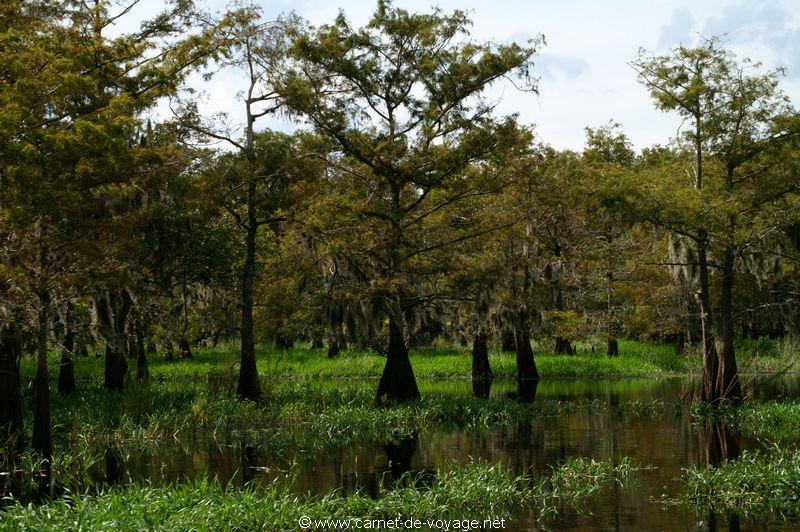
(475, 490)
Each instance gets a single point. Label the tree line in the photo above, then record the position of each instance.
(403, 209)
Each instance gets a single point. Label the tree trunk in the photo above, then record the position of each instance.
(333, 349)
(66, 369)
(481, 370)
(112, 309)
(709, 392)
(249, 386)
(397, 383)
(727, 378)
(115, 367)
(283, 342)
(169, 355)
(142, 371)
(10, 398)
(41, 440)
(526, 365)
(680, 344)
(316, 343)
(82, 350)
(613, 348)
(563, 347)
(185, 348)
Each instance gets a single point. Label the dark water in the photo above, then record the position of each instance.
(665, 439)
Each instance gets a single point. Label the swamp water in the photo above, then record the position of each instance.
(659, 435)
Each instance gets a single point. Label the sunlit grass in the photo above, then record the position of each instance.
(636, 359)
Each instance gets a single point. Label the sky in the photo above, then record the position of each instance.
(584, 71)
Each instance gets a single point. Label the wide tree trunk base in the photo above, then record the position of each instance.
(481, 370)
(397, 384)
(333, 349)
(564, 347)
(115, 369)
(185, 348)
(526, 365)
(66, 374)
(613, 348)
(10, 397)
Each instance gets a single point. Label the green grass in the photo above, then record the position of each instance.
(304, 415)
(773, 421)
(637, 360)
(473, 491)
(296, 421)
(756, 483)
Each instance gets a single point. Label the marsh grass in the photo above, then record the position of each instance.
(636, 359)
(771, 421)
(755, 484)
(299, 420)
(475, 490)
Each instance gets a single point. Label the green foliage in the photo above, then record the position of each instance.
(754, 484)
(475, 490)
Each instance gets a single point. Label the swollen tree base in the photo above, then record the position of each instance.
(116, 367)
(66, 374)
(481, 370)
(398, 383)
(526, 365)
(612, 350)
(10, 398)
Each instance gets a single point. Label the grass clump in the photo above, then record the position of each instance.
(475, 490)
(772, 421)
(756, 483)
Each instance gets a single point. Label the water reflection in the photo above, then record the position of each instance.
(399, 454)
(481, 387)
(721, 445)
(526, 390)
(665, 438)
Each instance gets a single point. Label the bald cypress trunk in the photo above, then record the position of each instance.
(612, 350)
(142, 371)
(333, 349)
(709, 392)
(397, 383)
(10, 398)
(526, 365)
(41, 440)
(66, 369)
(249, 386)
(481, 371)
(727, 379)
(185, 348)
(112, 309)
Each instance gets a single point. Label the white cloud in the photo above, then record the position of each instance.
(585, 76)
